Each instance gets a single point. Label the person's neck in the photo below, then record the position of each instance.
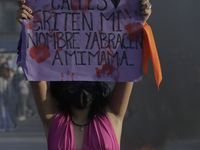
(80, 116)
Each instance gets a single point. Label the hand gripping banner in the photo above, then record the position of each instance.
(82, 40)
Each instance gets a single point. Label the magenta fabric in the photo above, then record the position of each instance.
(99, 134)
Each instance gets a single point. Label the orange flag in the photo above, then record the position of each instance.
(149, 49)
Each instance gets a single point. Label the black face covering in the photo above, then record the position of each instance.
(80, 99)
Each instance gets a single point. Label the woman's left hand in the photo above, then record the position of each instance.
(145, 10)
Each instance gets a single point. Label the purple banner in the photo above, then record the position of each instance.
(82, 40)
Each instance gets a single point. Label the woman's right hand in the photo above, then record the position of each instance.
(23, 11)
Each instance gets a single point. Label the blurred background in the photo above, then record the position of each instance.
(155, 120)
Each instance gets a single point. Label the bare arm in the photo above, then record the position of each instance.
(119, 98)
(117, 105)
(46, 105)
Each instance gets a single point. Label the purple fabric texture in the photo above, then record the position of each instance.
(19, 49)
(99, 134)
(85, 40)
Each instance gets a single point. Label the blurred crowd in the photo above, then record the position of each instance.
(15, 95)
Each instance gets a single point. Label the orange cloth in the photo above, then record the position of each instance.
(149, 49)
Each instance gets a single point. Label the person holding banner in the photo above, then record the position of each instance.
(80, 114)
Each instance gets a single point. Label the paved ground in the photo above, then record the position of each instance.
(29, 135)
(183, 145)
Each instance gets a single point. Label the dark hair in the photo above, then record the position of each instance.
(58, 89)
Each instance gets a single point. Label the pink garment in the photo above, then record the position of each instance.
(99, 134)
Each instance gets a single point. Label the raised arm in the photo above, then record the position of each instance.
(119, 98)
(46, 105)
